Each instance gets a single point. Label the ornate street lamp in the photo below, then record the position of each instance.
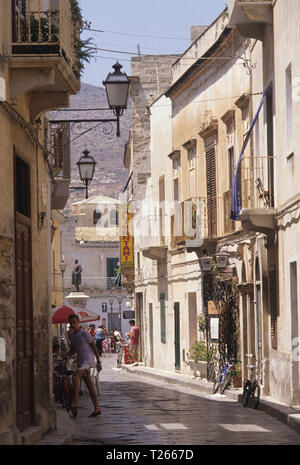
(221, 259)
(205, 263)
(86, 166)
(117, 88)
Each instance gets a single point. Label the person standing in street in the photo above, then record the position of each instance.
(92, 330)
(83, 344)
(100, 337)
(134, 340)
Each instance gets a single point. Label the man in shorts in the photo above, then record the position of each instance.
(83, 344)
(134, 340)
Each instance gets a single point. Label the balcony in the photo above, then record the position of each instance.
(258, 213)
(153, 237)
(60, 161)
(250, 17)
(194, 224)
(42, 57)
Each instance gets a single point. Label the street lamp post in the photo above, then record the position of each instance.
(120, 300)
(111, 301)
(63, 267)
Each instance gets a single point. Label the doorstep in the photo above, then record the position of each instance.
(64, 433)
(31, 435)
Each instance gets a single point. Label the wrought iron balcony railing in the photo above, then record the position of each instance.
(36, 31)
(60, 149)
(258, 182)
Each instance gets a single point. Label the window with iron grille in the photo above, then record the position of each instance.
(111, 273)
(162, 302)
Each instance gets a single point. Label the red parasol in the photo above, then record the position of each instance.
(61, 314)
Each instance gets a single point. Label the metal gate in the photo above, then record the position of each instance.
(221, 290)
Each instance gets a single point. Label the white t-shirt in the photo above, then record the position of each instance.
(117, 334)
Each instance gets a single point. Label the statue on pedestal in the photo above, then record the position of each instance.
(76, 275)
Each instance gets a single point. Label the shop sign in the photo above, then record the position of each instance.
(128, 315)
(126, 239)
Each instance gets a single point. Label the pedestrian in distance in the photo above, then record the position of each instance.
(117, 335)
(92, 330)
(83, 344)
(113, 342)
(99, 338)
(134, 335)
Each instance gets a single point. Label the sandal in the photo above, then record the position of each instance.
(74, 411)
(95, 414)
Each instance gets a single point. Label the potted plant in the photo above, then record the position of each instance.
(202, 322)
(236, 378)
(198, 358)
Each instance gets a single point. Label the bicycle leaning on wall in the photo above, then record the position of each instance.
(222, 380)
(251, 390)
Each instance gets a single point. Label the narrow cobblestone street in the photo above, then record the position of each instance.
(150, 412)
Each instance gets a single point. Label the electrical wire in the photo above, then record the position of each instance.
(126, 52)
(136, 35)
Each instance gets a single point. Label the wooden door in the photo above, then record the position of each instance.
(193, 324)
(24, 323)
(139, 321)
(151, 342)
(177, 335)
(211, 190)
(24, 305)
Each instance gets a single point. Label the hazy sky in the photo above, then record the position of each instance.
(127, 22)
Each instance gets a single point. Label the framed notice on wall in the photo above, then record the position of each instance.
(214, 328)
(128, 315)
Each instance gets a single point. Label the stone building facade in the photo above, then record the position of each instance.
(204, 113)
(243, 62)
(273, 28)
(32, 83)
(150, 76)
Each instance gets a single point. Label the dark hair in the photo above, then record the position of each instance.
(70, 317)
(76, 261)
(132, 322)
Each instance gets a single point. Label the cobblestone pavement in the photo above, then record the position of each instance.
(142, 411)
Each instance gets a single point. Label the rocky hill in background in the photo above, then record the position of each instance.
(107, 149)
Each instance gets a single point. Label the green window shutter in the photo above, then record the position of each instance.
(111, 265)
(162, 318)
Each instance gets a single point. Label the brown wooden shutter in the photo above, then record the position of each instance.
(211, 189)
(273, 307)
